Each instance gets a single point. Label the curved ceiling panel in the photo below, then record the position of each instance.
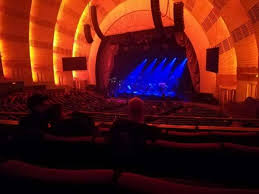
(65, 29)
(81, 47)
(14, 43)
(43, 18)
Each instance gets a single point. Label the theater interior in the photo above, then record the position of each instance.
(129, 96)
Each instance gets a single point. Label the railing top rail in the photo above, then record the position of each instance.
(155, 116)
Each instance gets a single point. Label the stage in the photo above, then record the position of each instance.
(146, 65)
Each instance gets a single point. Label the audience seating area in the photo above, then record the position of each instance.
(91, 102)
(177, 162)
(72, 101)
(98, 181)
(13, 107)
(198, 151)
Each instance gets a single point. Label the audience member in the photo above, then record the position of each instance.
(129, 136)
(77, 124)
(27, 144)
(136, 110)
(56, 115)
(37, 121)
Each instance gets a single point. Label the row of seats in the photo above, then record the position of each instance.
(243, 138)
(85, 101)
(72, 101)
(194, 135)
(177, 135)
(35, 179)
(223, 163)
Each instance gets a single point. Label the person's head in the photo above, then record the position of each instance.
(136, 110)
(37, 103)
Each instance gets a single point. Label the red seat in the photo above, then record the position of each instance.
(49, 137)
(27, 171)
(99, 140)
(188, 146)
(142, 184)
(242, 148)
(188, 134)
(234, 134)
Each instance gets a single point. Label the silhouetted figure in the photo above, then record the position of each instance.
(129, 137)
(36, 122)
(27, 143)
(76, 124)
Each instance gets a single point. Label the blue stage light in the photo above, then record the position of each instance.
(159, 80)
(151, 66)
(177, 74)
(138, 69)
(161, 65)
(168, 70)
(180, 69)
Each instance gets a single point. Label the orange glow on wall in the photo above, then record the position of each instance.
(57, 78)
(43, 16)
(65, 30)
(32, 56)
(78, 44)
(34, 73)
(14, 33)
(6, 71)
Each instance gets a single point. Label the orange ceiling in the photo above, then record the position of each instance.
(36, 34)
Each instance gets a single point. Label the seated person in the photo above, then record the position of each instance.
(37, 121)
(129, 136)
(27, 143)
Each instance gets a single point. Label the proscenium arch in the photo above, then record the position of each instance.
(106, 53)
(116, 26)
(193, 30)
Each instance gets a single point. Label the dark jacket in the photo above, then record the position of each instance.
(32, 127)
(128, 141)
(77, 125)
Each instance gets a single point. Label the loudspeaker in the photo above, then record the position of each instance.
(156, 14)
(178, 17)
(88, 34)
(95, 22)
(212, 60)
